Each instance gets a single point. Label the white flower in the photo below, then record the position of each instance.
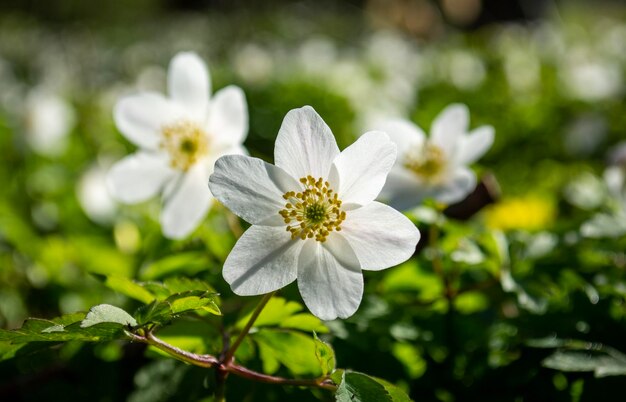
(49, 120)
(93, 196)
(180, 138)
(434, 167)
(313, 215)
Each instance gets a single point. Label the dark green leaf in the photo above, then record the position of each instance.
(358, 387)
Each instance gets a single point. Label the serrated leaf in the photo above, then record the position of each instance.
(157, 312)
(106, 313)
(325, 355)
(36, 331)
(160, 312)
(359, 387)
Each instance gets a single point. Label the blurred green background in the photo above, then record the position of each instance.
(548, 75)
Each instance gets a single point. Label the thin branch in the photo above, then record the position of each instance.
(231, 351)
(244, 372)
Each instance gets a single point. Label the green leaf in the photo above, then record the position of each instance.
(191, 335)
(359, 387)
(60, 329)
(189, 263)
(106, 313)
(129, 288)
(294, 350)
(601, 365)
(325, 355)
(285, 314)
(160, 312)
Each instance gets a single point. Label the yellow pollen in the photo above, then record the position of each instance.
(314, 212)
(426, 162)
(185, 142)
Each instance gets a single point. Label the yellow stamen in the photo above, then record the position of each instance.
(185, 142)
(314, 212)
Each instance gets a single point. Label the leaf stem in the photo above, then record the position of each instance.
(255, 314)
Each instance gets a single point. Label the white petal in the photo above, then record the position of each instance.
(305, 145)
(228, 117)
(188, 84)
(361, 169)
(140, 118)
(460, 185)
(403, 189)
(614, 179)
(263, 260)
(186, 201)
(405, 134)
(474, 145)
(380, 236)
(449, 126)
(138, 177)
(331, 287)
(251, 188)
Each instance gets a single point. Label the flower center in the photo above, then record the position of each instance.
(186, 143)
(427, 162)
(314, 212)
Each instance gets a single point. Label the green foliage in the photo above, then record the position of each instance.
(105, 313)
(359, 387)
(325, 355)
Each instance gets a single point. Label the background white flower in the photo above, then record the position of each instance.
(48, 120)
(435, 167)
(180, 137)
(313, 215)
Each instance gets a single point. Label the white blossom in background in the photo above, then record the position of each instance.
(94, 197)
(612, 223)
(466, 70)
(313, 216)
(434, 167)
(48, 121)
(590, 77)
(179, 138)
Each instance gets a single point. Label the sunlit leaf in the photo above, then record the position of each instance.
(107, 313)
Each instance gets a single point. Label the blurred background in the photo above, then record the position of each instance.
(549, 75)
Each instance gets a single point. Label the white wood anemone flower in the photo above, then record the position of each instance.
(435, 167)
(313, 215)
(180, 137)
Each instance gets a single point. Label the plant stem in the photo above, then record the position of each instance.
(223, 369)
(231, 351)
(253, 375)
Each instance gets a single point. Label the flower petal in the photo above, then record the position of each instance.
(449, 126)
(305, 145)
(403, 189)
(188, 84)
(187, 200)
(405, 134)
(263, 260)
(462, 183)
(138, 177)
(251, 188)
(380, 236)
(474, 145)
(140, 118)
(228, 117)
(361, 169)
(329, 278)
